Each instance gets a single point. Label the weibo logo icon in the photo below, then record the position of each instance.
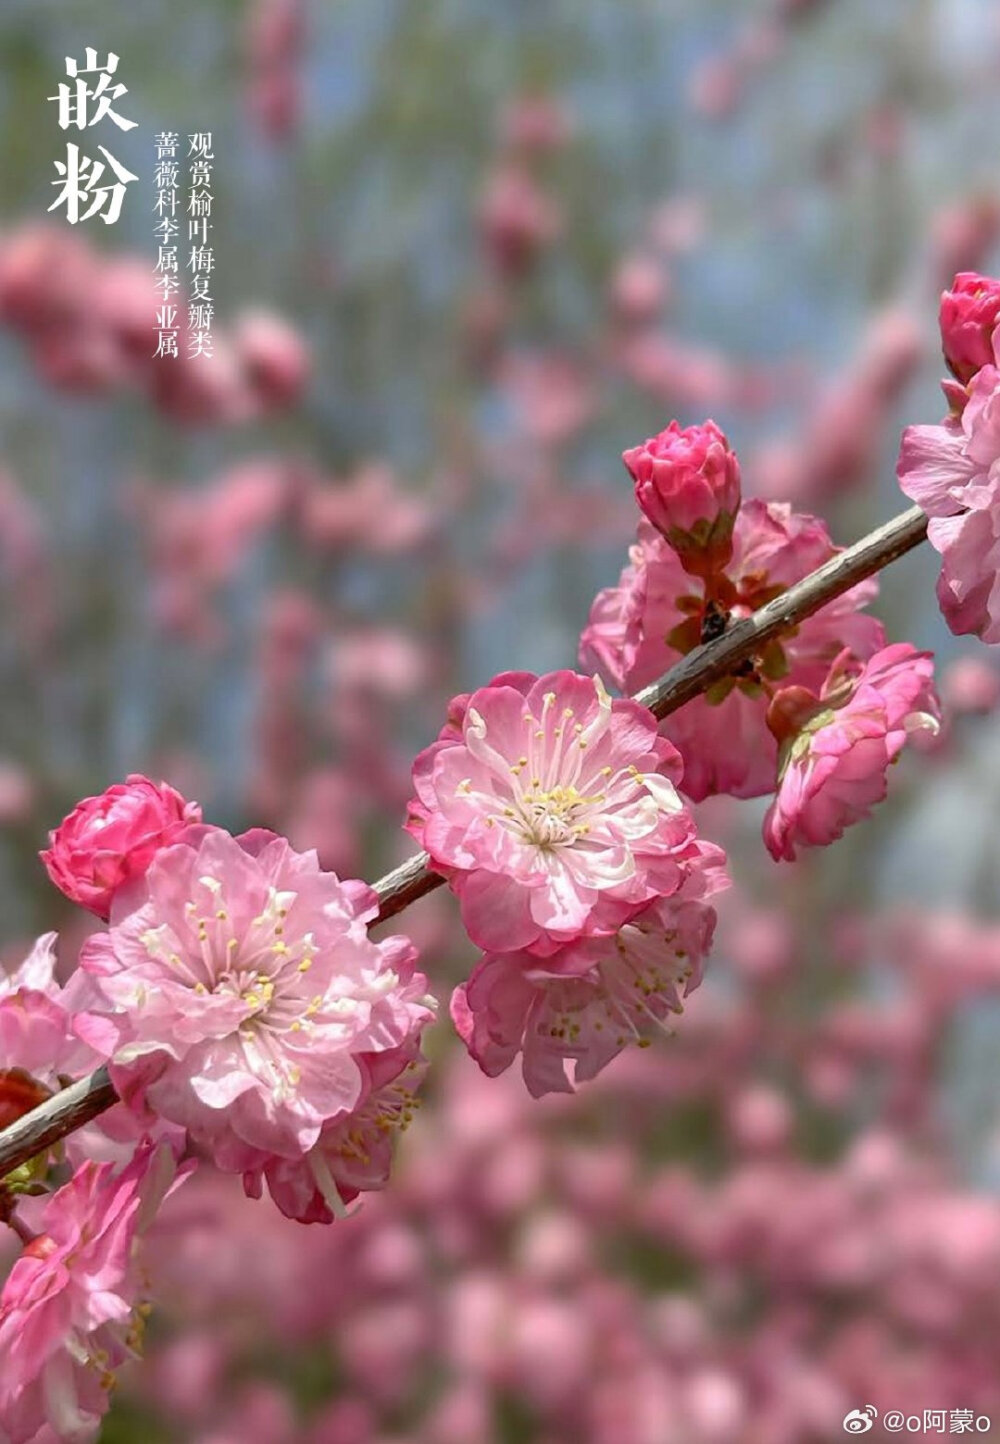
(859, 1421)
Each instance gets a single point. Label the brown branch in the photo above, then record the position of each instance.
(81, 1102)
(52, 1120)
(412, 879)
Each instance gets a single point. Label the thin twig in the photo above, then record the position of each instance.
(692, 675)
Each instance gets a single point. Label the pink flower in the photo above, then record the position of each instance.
(246, 989)
(570, 1014)
(517, 218)
(953, 472)
(274, 357)
(834, 762)
(40, 1048)
(969, 315)
(687, 482)
(353, 1154)
(109, 840)
(38, 971)
(37, 1043)
(37, 1046)
(551, 809)
(657, 613)
(71, 1310)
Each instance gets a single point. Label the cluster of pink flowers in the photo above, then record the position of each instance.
(86, 320)
(552, 810)
(837, 443)
(570, 1013)
(242, 1010)
(660, 1258)
(73, 1310)
(241, 1007)
(236, 993)
(704, 558)
(196, 537)
(952, 470)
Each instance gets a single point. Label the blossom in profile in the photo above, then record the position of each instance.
(657, 613)
(687, 482)
(551, 809)
(353, 1154)
(110, 840)
(836, 748)
(952, 471)
(570, 1014)
(72, 1310)
(242, 993)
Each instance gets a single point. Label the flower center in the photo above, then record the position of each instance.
(248, 984)
(553, 817)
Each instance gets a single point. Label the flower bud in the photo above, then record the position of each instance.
(969, 315)
(110, 840)
(687, 481)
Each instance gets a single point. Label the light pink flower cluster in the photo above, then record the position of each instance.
(658, 612)
(551, 809)
(571, 1013)
(837, 704)
(837, 746)
(84, 317)
(245, 1001)
(107, 841)
(72, 1309)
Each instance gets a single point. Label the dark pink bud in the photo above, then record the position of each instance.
(687, 481)
(969, 315)
(110, 840)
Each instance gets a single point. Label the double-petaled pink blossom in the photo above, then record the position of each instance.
(551, 809)
(953, 471)
(107, 841)
(72, 1310)
(657, 613)
(247, 995)
(570, 1014)
(837, 746)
